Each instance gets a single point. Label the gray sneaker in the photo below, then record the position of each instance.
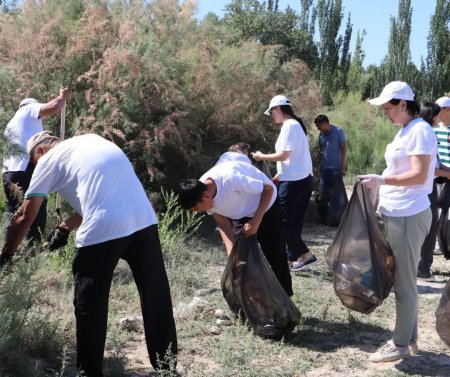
(304, 265)
(389, 352)
(413, 348)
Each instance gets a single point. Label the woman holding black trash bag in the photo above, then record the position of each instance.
(403, 202)
(294, 178)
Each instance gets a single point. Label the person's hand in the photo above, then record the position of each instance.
(276, 180)
(372, 180)
(250, 228)
(58, 238)
(257, 156)
(64, 93)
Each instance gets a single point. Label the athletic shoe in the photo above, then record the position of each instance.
(389, 352)
(413, 347)
(224, 321)
(303, 265)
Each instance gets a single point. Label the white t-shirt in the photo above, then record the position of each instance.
(98, 181)
(24, 124)
(233, 156)
(415, 139)
(239, 187)
(292, 138)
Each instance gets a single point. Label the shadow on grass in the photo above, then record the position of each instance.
(325, 336)
(424, 289)
(426, 364)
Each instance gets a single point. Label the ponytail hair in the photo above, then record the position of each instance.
(286, 109)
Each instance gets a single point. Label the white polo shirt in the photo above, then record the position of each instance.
(24, 124)
(417, 138)
(98, 181)
(292, 138)
(239, 187)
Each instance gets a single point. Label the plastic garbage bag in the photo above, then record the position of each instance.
(443, 315)
(360, 257)
(443, 200)
(252, 290)
(443, 232)
(262, 166)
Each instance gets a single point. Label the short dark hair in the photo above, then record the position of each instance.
(428, 110)
(240, 148)
(191, 192)
(319, 119)
(411, 106)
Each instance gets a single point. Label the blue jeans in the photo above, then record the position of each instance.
(294, 198)
(328, 179)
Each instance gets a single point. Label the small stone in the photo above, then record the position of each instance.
(215, 330)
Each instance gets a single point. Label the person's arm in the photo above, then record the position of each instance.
(20, 224)
(343, 158)
(251, 227)
(226, 232)
(55, 105)
(277, 156)
(417, 175)
(60, 235)
(72, 222)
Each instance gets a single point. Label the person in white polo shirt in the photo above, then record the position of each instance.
(404, 205)
(237, 191)
(116, 221)
(294, 178)
(16, 169)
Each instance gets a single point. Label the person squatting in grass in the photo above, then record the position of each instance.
(403, 202)
(237, 190)
(115, 220)
(332, 155)
(17, 169)
(294, 178)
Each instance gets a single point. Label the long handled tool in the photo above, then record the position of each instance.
(62, 131)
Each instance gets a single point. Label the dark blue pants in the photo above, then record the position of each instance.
(93, 268)
(294, 198)
(328, 179)
(15, 184)
(427, 250)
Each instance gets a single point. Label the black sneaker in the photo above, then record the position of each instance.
(425, 276)
(303, 265)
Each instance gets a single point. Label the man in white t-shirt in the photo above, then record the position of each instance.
(237, 191)
(115, 220)
(16, 169)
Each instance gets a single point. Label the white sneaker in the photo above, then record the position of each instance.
(389, 352)
(413, 348)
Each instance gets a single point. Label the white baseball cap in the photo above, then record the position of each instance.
(394, 90)
(277, 101)
(443, 102)
(27, 101)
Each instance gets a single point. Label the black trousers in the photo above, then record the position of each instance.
(427, 250)
(271, 239)
(294, 198)
(93, 268)
(15, 184)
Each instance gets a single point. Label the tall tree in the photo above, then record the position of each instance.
(438, 59)
(356, 70)
(399, 55)
(329, 16)
(345, 60)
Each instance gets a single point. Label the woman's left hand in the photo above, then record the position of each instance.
(257, 155)
(372, 180)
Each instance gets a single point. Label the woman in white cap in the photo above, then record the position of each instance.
(403, 202)
(294, 178)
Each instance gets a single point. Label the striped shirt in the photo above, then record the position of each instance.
(443, 136)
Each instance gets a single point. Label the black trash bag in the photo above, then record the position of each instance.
(443, 200)
(338, 202)
(443, 315)
(360, 257)
(262, 166)
(443, 233)
(252, 290)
